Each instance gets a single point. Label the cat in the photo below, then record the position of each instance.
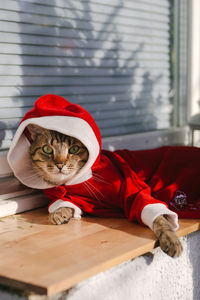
(57, 158)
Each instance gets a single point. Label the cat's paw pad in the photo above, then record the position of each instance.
(170, 244)
(61, 216)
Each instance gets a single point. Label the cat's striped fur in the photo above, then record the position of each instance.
(52, 157)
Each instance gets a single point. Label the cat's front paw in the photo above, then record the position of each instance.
(170, 244)
(61, 216)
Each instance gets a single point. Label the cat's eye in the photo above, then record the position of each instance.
(47, 149)
(74, 149)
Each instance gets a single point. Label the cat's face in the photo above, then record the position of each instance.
(54, 156)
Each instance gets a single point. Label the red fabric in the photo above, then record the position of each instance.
(126, 181)
(114, 190)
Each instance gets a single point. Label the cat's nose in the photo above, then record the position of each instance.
(60, 166)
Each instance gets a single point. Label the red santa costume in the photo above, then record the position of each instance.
(139, 185)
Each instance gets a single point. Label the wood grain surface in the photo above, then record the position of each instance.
(46, 258)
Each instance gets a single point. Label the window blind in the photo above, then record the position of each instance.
(112, 57)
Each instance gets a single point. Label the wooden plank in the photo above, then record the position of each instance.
(48, 259)
(11, 187)
(17, 198)
(22, 203)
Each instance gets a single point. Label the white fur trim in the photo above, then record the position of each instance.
(152, 211)
(60, 203)
(18, 155)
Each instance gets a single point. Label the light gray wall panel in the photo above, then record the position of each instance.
(112, 57)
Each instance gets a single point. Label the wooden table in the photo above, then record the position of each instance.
(46, 258)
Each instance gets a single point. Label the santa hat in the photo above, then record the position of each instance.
(55, 113)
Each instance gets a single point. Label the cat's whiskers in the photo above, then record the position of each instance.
(93, 190)
(99, 179)
(65, 167)
(64, 171)
(34, 177)
(96, 189)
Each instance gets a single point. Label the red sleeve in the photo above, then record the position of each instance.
(60, 193)
(143, 198)
(79, 202)
(135, 193)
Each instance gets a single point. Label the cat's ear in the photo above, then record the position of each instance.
(36, 130)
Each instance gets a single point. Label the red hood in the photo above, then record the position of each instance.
(56, 113)
(54, 105)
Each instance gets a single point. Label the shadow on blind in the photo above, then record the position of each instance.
(113, 58)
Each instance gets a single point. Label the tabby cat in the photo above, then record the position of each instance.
(57, 158)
